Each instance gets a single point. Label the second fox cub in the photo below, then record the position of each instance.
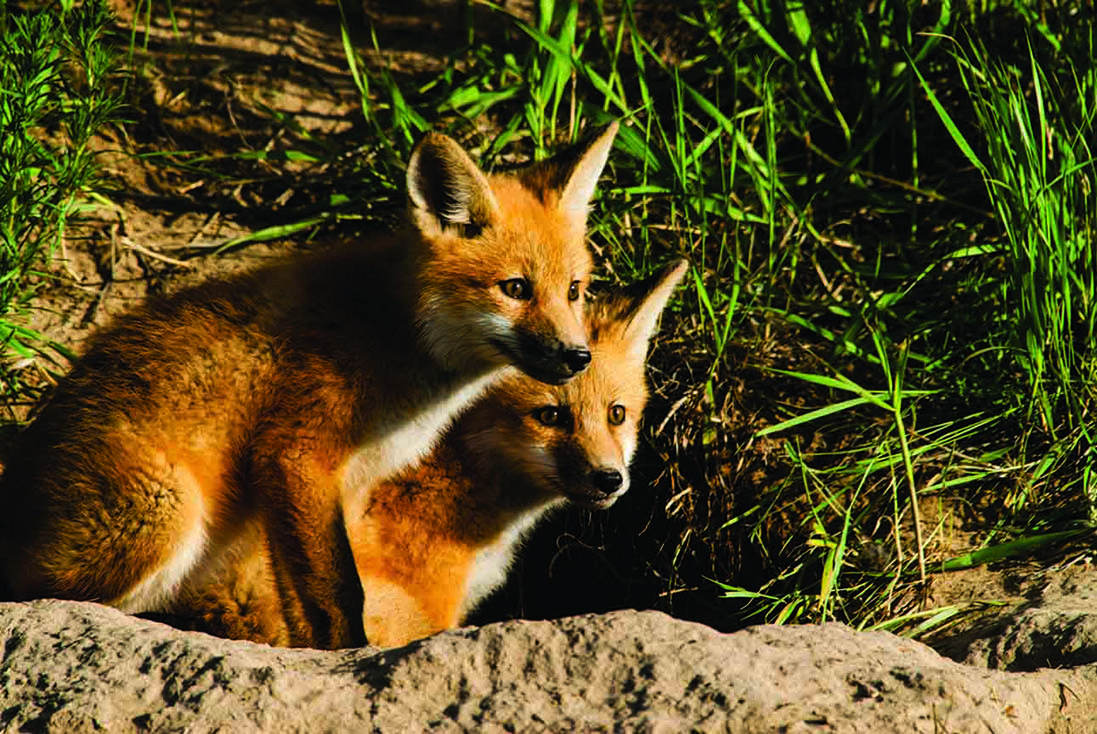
(277, 399)
(432, 542)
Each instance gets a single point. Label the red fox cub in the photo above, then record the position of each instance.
(434, 541)
(279, 398)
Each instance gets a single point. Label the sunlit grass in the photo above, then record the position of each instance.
(56, 93)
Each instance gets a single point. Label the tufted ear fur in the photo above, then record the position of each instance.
(582, 179)
(445, 187)
(572, 174)
(639, 306)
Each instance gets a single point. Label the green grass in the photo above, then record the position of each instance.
(55, 94)
(1039, 169)
(890, 325)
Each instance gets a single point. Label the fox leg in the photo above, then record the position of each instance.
(319, 590)
(236, 596)
(310, 554)
(412, 583)
(239, 602)
(393, 617)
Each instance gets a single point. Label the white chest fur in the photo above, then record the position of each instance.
(405, 440)
(492, 564)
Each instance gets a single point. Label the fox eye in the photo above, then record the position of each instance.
(573, 291)
(516, 288)
(616, 415)
(550, 416)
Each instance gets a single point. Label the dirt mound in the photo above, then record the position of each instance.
(82, 667)
(1053, 624)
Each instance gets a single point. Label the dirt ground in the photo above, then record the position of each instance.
(200, 86)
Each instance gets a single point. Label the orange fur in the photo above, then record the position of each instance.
(435, 540)
(279, 398)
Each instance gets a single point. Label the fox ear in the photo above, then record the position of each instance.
(581, 169)
(445, 187)
(650, 297)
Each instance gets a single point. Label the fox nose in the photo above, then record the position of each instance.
(577, 359)
(607, 481)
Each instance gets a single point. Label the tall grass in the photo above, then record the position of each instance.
(55, 94)
(1032, 286)
(1038, 162)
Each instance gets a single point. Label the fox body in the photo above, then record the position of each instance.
(435, 540)
(272, 402)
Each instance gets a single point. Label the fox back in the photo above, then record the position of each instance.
(279, 398)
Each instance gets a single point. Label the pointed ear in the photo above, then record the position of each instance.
(582, 177)
(446, 188)
(650, 297)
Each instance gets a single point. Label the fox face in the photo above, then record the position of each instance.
(576, 441)
(507, 269)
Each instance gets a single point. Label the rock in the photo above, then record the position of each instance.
(1055, 626)
(72, 667)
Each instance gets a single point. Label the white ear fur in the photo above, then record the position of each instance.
(577, 192)
(644, 320)
(446, 187)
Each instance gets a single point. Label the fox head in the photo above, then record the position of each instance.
(576, 441)
(506, 266)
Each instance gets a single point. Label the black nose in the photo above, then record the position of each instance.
(607, 481)
(577, 359)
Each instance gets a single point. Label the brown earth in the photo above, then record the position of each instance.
(208, 83)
